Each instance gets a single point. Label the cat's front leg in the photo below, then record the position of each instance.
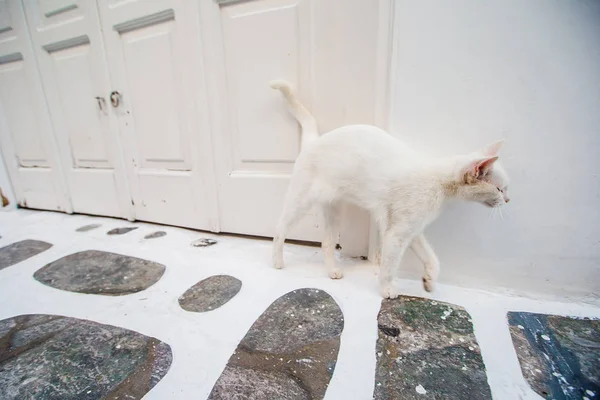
(425, 252)
(297, 202)
(394, 246)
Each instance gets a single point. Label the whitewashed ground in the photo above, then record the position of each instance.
(203, 342)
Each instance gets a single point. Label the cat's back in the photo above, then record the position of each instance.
(358, 163)
(362, 143)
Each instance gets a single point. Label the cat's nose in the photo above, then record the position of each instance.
(507, 200)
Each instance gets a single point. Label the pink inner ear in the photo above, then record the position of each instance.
(481, 167)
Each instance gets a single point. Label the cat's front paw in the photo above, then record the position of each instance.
(336, 273)
(389, 291)
(428, 284)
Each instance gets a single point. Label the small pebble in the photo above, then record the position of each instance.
(203, 242)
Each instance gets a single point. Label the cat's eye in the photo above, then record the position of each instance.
(500, 190)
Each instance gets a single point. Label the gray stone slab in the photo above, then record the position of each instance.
(20, 251)
(559, 356)
(290, 351)
(87, 228)
(54, 357)
(100, 272)
(427, 349)
(210, 293)
(155, 235)
(121, 231)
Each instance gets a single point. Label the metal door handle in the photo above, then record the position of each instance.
(115, 99)
(101, 102)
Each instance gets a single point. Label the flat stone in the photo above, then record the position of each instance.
(210, 293)
(54, 357)
(121, 231)
(87, 228)
(559, 356)
(20, 251)
(155, 235)
(290, 351)
(100, 272)
(427, 349)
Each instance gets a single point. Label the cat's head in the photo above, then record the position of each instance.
(481, 178)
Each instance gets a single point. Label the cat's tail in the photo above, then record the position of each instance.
(310, 131)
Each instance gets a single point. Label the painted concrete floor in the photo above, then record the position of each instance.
(146, 310)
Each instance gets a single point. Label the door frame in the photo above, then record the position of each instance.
(386, 59)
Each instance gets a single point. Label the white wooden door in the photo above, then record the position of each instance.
(153, 54)
(247, 44)
(68, 45)
(25, 128)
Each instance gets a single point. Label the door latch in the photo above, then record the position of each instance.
(115, 99)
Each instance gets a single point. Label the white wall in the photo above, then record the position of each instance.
(467, 72)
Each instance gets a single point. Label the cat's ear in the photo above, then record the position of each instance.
(480, 167)
(492, 149)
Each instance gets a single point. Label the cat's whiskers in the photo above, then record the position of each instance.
(492, 215)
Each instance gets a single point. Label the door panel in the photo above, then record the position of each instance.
(153, 53)
(159, 140)
(20, 117)
(25, 129)
(68, 44)
(257, 140)
(254, 56)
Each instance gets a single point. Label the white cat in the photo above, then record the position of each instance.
(402, 189)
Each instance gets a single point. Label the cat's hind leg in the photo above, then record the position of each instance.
(425, 252)
(331, 214)
(297, 202)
